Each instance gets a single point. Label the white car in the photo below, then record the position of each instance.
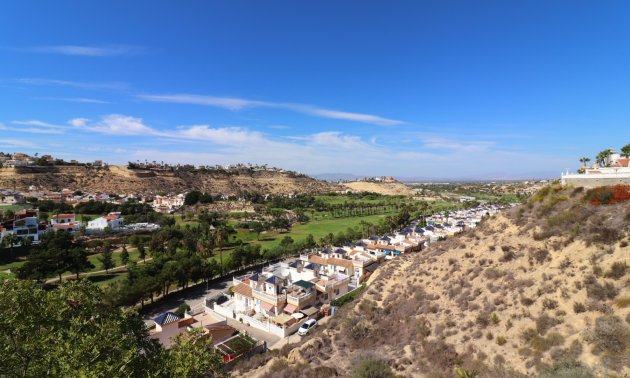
(304, 328)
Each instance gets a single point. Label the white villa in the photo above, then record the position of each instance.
(113, 220)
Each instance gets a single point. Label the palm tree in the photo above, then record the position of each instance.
(9, 240)
(625, 150)
(584, 160)
(603, 156)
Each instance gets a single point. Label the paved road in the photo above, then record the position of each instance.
(193, 298)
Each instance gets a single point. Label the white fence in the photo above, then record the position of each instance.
(266, 325)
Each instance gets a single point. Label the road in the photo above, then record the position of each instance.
(193, 298)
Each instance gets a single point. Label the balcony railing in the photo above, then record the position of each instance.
(269, 297)
(299, 300)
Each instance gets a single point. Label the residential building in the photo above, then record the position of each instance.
(112, 220)
(64, 222)
(165, 327)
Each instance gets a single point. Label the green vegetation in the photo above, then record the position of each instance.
(371, 368)
(348, 297)
(69, 331)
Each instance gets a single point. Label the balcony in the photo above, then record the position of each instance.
(269, 298)
(301, 300)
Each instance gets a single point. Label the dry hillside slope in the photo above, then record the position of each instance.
(543, 290)
(119, 179)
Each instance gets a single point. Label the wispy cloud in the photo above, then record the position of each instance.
(73, 84)
(442, 143)
(76, 99)
(12, 143)
(76, 50)
(35, 127)
(232, 103)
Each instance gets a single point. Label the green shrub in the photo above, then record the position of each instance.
(617, 270)
(182, 309)
(544, 323)
(579, 307)
(348, 297)
(501, 340)
(610, 335)
(568, 369)
(371, 368)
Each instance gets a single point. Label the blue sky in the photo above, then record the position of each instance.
(434, 89)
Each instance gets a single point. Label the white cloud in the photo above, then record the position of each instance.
(437, 142)
(334, 114)
(337, 140)
(232, 103)
(76, 99)
(15, 143)
(223, 135)
(221, 102)
(35, 127)
(75, 50)
(115, 124)
(73, 84)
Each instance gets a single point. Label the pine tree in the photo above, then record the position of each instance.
(124, 255)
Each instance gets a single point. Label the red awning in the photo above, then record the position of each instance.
(290, 308)
(266, 306)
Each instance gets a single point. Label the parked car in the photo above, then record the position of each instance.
(307, 326)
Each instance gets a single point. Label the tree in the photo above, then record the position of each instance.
(83, 337)
(584, 160)
(142, 252)
(78, 262)
(625, 150)
(124, 255)
(602, 157)
(9, 240)
(257, 227)
(106, 258)
(192, 356)
(222, 236)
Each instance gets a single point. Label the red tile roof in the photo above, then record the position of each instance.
(243, 289)
(63, 216)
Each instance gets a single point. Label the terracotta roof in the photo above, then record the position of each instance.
(243, 289)
(112, 217)
(331, 261)
(380, 246)
(63, 216)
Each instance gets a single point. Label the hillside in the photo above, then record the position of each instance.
(541, 290)
(119, 179)
(385, 188)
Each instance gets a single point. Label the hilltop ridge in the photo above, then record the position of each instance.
(121, 179)
(542, 290)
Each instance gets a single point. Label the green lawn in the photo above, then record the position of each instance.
(11, 265)
(14, 208)
(95, 259)
(335, 200)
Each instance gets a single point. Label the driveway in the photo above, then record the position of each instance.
(270, 338)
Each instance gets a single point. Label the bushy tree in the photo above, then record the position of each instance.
(69, 332)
